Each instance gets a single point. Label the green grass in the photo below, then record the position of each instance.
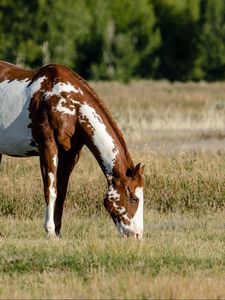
(174, 245)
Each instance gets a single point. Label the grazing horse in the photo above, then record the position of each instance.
(52, 112)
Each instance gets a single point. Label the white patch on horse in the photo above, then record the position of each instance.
(112, 193)
(49, 215)
(15, 96)
(57, 90)
(121, 210)
(101, 138)
(60, 87)
(55, 160)
(126, 217)
(114, 197)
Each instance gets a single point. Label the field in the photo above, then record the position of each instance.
(177, 131)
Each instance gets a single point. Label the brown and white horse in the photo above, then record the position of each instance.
(53, 113)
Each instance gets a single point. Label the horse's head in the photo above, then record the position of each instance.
(124, 201)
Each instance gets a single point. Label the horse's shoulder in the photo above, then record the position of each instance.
(50, 109)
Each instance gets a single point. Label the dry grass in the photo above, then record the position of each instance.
(163, 105)
(66, 286)
(177, 130)
(168, 117)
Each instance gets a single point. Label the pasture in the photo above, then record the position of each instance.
(176, 130)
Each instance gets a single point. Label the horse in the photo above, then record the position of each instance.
(52, 112)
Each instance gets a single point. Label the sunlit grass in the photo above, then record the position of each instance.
(162, 105)
(91, 256)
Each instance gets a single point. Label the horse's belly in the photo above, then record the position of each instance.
(15, 134)
(16, 140)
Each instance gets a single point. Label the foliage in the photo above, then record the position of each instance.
(177, 21)
(103, 39)
(212, 39)
(127, 40)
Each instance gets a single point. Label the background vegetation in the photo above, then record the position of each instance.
(104, 39)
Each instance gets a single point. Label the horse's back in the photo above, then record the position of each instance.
(10, 72)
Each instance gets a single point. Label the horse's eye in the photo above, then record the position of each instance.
(134, 199)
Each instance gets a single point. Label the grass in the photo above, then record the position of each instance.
(92, 261)
(176, 130)
(181, 182)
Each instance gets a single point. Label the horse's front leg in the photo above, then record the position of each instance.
(49, 163)
(65, 167)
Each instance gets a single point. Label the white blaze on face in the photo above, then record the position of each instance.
(15, 96)
(101, 138)
(59, 88)
(49, 215)
(137, 220)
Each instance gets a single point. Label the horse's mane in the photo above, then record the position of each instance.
(105, 109)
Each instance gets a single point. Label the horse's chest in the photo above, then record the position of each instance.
(15, 134)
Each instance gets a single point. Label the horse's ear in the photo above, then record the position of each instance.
(136, 170)
(141, 171)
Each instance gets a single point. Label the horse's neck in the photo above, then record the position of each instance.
(105, 140)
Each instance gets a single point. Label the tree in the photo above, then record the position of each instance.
(212, 28)
(125, 39)
(42, 31)
(119, 40)
(179, 51)
(16, 23)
